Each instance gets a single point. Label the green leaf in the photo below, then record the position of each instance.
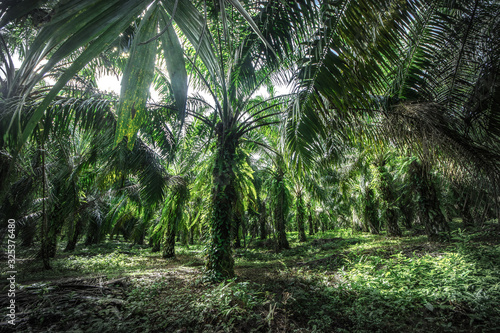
(127, 13)
(66, 25)
(137, 78)
(17, 10)
(176, 65)
(236, 4)
(194, 26)
(429, 306)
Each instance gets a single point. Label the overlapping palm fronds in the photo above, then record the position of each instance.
(437, 60)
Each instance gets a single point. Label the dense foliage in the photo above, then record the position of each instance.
(250, 125)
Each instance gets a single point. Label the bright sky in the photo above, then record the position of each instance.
(111, 83)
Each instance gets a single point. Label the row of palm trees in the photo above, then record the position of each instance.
(418, 77)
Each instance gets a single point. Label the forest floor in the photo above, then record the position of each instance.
(337, 281)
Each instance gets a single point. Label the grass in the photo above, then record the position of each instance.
(356, 282)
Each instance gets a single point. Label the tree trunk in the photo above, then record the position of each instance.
(28, 234)
(467, 218)
(220, 263)
(184, 237)
(156, 245)
(169, 241)
(392, 223)
(279, 213)
(262, 220)
(191, 236)
(389, 214)
(244, 231)
(429, 210)
(174, 219)
(371, 212)
(45, 224)
(300, 215)
(52, 245)
(407, 209)
(310, 220)
(73, 238)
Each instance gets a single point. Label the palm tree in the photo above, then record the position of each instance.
(421, 68)
(300, 212)
(172, 214)
(280, 203)
(182, 167)
(389, 213)
(429, 210)
(83, 30)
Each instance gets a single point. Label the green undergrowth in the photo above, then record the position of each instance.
(337, 281)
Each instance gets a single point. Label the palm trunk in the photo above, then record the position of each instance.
(73, 237)
(28, 234)
(392, 223)
(54, 228)
(370, 214)
(220, 263)
(279, 213)
(156, 245)
(300, 214)
(467, 218)
(310, 220)
(429, 211)
(389, 214)
(191, 236)
(44, 229)
(184, 236)
(174, 220)
(169, 243)
(407, 210)
(244, 231)
(262, 220)
(94, 234)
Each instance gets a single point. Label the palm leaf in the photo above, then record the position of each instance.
(176, 66)
(193, 24)
(129, 11)
(137, 78)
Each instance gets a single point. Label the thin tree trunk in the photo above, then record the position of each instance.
(191, 236)
(73, 238)
(44, 229)
(174, 220)
(262, 220)
(279, 214)
(244, 232)
(371, 212)
(169, 243)
(310, 220)
(300, 215)
(467, 219)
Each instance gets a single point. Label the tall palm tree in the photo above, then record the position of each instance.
(235, 63)
(428, 70)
